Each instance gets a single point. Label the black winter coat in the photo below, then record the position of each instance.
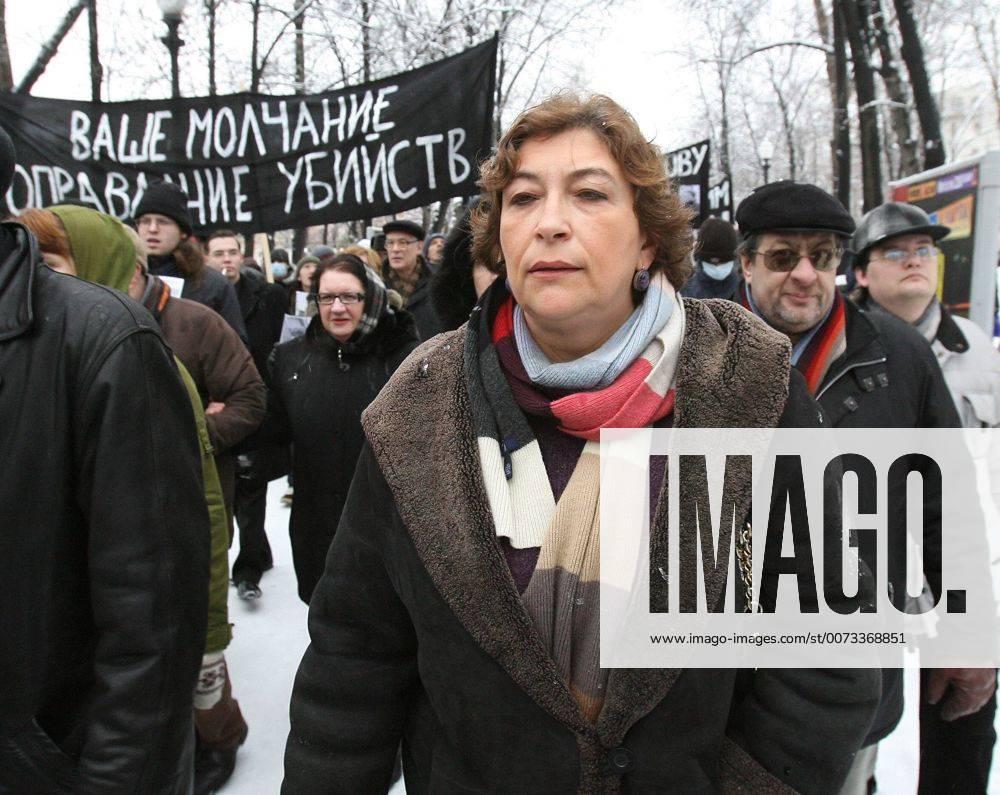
(418, 633)
(104, 541)
(210, 288)
(887, 378)
(263, 308)
(317, 394)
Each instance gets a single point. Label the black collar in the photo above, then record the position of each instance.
(949, 334)
(17, 275)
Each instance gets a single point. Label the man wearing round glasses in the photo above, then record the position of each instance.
(897, 272)
(867, 370)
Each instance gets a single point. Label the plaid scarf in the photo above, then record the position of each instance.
(561, 596)
(376, 306)
(813, 354)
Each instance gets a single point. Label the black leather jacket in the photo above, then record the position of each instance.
(104, 540)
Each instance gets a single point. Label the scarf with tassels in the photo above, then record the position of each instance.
(815, 351)
(562, 596)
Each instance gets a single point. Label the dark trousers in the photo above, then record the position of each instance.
(255, 551)
(954, 755)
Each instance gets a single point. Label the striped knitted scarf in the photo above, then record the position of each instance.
(813, 354)
(561, 597)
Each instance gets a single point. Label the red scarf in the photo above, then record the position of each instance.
(636, 399)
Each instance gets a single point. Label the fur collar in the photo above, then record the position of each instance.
(733, 372)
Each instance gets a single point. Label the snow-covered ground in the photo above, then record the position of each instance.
(270, 636)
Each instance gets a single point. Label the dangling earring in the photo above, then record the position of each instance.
(640, 282)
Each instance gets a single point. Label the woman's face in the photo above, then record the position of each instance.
(340, 319)
(305, 275)
(570, 238)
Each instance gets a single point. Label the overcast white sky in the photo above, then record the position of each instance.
(627, 62)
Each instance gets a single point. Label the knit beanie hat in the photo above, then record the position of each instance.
(101, 247)
(165, 198)
(716, 241)
(7, 159)
(430, 239)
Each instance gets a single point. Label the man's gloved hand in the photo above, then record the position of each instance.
(971, 689)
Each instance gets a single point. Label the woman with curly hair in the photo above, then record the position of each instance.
(459, 611)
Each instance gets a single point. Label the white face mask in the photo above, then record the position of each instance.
(279, 270)
(718, 272)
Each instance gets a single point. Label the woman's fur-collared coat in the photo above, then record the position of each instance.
(418, 633)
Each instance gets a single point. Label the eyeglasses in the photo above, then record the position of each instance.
(900, 256)
(347, 299)
(389, 244)
(783, 260)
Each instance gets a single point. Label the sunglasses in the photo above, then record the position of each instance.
(783, 260)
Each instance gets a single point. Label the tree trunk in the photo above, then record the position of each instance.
(255, 46)
(895, 88)
(6, 75)
(95, 53)
(49, 48)
(786, 123)
(841, 118)
(927, 111)
(825, 35)
(210, 6)
(300, 239)
(366, 43)
(856, 19)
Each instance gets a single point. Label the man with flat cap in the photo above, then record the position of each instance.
(896, 266)
(407, 272)
(866, 370)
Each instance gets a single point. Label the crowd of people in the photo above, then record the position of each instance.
(437, 409)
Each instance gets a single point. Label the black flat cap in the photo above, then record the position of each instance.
(407, 227)
(792, 206)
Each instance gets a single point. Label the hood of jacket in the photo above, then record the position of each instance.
(18, 259)
(733, 371)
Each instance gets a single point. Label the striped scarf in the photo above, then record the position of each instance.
(813, 354)
(562, 596)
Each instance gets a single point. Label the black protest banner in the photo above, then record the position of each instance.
(720, 201)
(688, 167)
(258, 163)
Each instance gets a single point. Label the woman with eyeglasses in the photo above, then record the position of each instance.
(319, 385)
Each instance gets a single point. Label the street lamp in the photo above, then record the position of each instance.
(765, 151)
(173, 11)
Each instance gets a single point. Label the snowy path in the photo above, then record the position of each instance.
(270, 637)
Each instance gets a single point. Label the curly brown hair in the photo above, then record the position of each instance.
(663, 218)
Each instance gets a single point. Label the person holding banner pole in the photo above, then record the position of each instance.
(459, 609)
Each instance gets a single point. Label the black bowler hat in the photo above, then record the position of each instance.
(165, 198)
(407, 227)
(792, 207)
